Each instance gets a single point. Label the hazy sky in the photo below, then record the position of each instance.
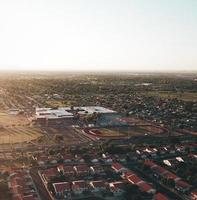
(98, 34)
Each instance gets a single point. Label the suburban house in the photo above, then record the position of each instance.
(61, 189)
(118, 168)
(81, 170)
(97, 186)
(117, 188)
(78, 187)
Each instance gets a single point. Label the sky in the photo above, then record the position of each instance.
(130, 35)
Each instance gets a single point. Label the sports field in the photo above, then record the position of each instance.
(126, 131)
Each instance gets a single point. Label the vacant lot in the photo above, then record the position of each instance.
(12, 120)
(16, 129)
(18, 134)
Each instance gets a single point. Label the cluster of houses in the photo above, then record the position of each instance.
(170, 112)
(134, 179)
(163, 174)
(21, 185)
(79, 182)
(76, 182)
(163, 151)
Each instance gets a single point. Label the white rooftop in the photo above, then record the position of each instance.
(65, 112)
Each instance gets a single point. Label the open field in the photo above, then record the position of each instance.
(12, 120)
(19, 134)
(68, 134)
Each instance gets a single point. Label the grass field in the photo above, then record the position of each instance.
(111, 132)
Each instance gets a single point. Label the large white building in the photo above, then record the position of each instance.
(60, 114)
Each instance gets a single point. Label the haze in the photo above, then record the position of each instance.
(98, 35)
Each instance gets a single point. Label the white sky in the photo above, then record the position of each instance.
(98, 34)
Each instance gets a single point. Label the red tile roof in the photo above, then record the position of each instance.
(159, 170)
(134, 179)
(182, 184)
(170, 175)
(117, 166)
(116, 185)
(67, 157)
(145, 187)
(79, 184)
(61, 187)
(128, 173)
(160, 196)
(81, 168)
(51, 172)
(194, 195)
(149, 163)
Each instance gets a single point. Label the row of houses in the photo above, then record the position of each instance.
(163, 174)
(72, 171)
(21, 185)
(43, 160)
(134, 179)
(158, 152)
(143, 153)
(66, 189)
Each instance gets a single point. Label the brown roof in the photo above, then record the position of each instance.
(79, 184)
(61, 187)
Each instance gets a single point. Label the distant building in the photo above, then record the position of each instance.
(48, 116)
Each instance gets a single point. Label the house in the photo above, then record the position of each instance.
(134, 179)
(160, 196)
(149, 164)
(193, 195)
(118, 168)
(169, 175)
(151, 151)
(78, 187)
(182, 186)
(117, 188)
(81, 170)
(107, 159)
(79, 159)
(48, 174)
(145, 187)
(97, 170)
(97, 186)
(66, 170)
(21, 185)
(126, 174)
(61, 188)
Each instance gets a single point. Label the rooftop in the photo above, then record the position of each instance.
(60, 187)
